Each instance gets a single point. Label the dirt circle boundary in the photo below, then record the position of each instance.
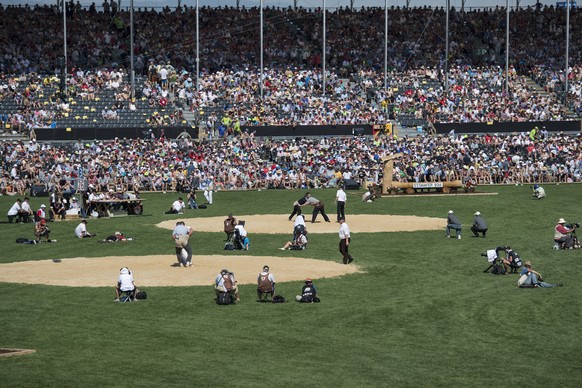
(280, 224)
(157, 270)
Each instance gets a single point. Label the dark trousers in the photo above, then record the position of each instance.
(318, 210)
(343, 248)
(568, 241)
(188, 258)
(341, 205)
(296, 210)
(476, 231)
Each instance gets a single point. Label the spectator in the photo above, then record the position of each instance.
(530, 277)
(266, 284)
(81, 230)
(177, 207)
(225, 282)
(479, 225)
(308, 293)
(563, 234)
(538, 192)
(453, 223)
(125, 284)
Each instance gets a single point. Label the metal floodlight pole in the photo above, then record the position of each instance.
(65, 46)
(197, 50)
(447, 48)
(507, 48)
(566, 71)
(385, 44)
(261, 73)
(131, 68)
(323, 56)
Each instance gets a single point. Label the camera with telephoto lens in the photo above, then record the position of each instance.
(573, 225)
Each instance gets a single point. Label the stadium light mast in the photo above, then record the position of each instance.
(566, 71)
(323, 53)
(197, 50)
(261, 64)
(506, 48)
(131, 68)
(65, 37)
(385, 45)
(447, 48)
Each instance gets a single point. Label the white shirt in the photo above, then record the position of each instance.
(301, 240)
(14, 209)
(344, 231)
(300, 220)
(26, 207)
(178, 206)
(81, 230)
(241, 230)
(125, 282)
(341, 196)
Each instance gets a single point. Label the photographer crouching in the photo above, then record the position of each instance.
(565, 235)
(538, 192)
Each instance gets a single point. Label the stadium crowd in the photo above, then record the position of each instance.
(293, 86)
(247, 162)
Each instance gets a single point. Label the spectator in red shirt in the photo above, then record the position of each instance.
(563, 235)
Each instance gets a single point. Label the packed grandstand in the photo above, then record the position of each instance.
(97, 94)
(97, 90)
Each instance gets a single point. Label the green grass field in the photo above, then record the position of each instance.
(423, 313)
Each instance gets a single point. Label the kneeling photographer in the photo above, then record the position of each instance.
(538, 192)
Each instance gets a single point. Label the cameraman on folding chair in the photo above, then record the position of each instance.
(125, 285)
(564, 234)
(266, 285)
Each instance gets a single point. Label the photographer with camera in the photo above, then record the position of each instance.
(538, 192)
(531, 278)
(563, 234)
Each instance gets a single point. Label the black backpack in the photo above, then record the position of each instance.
(224, 298)
(279, 299)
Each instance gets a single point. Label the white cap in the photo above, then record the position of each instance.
(450, 212)
(477, 213)
(43, 205)
(562, 221)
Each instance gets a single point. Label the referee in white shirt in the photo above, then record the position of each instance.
(340, 199)
(344, 235)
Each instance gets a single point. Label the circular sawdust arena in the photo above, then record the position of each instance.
(158, 270)
(279, 223)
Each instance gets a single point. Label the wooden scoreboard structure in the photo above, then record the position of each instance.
(389, 186)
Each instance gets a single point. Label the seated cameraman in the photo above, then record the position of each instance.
(563, 234)
(538, 192)
(511, 261)
(41, 230)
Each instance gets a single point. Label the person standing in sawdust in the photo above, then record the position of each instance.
(181, 236)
